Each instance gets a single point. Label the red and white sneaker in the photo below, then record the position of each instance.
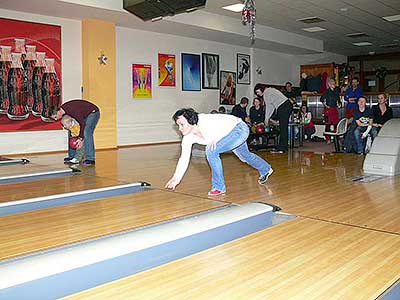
(215, 192)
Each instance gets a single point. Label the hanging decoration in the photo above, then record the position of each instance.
(249, 17)
(381, 73)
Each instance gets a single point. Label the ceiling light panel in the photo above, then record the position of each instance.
(311, 20)
(357, 35)
(313, 29)
(234, 7)
(362, 44)
(392, 18)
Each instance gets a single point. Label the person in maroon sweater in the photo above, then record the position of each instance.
(87, 114)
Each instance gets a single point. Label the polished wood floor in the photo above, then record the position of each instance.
(348, 229)
(298, 260)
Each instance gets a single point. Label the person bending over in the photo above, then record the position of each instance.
(87, 114)
(275, 100)
(220, 133)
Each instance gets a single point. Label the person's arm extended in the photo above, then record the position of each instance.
(182, 165)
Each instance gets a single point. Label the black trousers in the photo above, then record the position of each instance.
(283, 112)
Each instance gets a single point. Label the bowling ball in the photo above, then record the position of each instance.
(260, 129)
(72, 142)
(253, 129)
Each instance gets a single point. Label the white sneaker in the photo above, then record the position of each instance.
(263, 179)
(73, 161)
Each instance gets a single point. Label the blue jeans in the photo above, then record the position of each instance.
(374, 132)
(359, 140)
(90, 125)
(236, 141)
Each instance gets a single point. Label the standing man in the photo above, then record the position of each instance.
(290, 92)
(87, 115)
(239, 110)
(274, 99)
(330, 100)
(220, 133)
(351, 97)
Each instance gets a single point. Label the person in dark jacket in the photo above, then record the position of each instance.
(382, 113)
(239, 110)
(330, 100)
(87, 115)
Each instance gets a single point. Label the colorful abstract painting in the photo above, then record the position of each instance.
(166, 70)
(141, 81)
(191, 72)
(30, 75)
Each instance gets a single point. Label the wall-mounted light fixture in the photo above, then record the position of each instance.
(102, 59)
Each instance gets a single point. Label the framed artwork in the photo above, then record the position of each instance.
(30, 75)
(210, 68)
(166, 70)
(141, 81)
(227, 94)
(243, 68)
(191, 72)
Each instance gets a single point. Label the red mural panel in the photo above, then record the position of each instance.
(30, 75)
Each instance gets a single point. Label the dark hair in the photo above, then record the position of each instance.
(244, 100)
(222, 109)
(259, 86)
(304, 105)
(189, 114)
(288, 83)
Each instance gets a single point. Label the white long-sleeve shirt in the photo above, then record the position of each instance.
(213, 127)
(273, 99)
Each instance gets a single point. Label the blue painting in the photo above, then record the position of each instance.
(191, 72)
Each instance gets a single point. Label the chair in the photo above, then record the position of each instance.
(341, 129)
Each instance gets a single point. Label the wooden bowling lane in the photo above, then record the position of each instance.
(50, 186)
(297, 260)
(17, 169)
(303, 183)
(28, 232)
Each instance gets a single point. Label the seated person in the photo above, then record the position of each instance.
(239, 110)
(306, 118)
(221, 110)
(363, 119)
(382, 113)
(257, 112)
(257, 117)
(73, 127)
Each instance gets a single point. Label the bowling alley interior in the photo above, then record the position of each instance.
(200, 149)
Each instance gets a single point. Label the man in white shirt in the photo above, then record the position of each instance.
(220, 133)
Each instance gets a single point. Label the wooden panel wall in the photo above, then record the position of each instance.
(317, 69)
(99, 81)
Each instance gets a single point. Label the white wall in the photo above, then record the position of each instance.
(38, 141)
(149, 120)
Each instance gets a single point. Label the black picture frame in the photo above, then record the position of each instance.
(227, 90)
(210, 71)
(243, 68)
